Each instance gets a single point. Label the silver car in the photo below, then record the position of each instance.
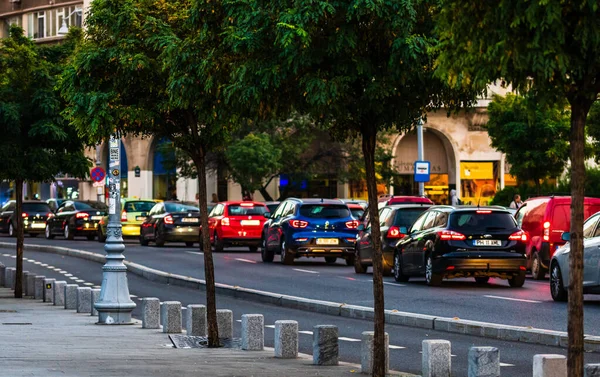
(559, 265)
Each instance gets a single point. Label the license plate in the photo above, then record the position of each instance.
(487, 243)
(140, 218)
(250, 222)
(327, 241)
(38, 225)
(96, 217)
(189, 220)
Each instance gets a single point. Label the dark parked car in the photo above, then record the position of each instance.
(171, 221)
(76, 218)
(453, 242)
(310, 228)
(391, 219)
(34, 215)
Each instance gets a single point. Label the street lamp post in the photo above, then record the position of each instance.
(420, 154)
(114, 306)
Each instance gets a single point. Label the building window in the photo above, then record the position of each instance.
(10, 22)
(40, 25)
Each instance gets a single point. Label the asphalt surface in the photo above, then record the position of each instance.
(494, 302)
(405, 341)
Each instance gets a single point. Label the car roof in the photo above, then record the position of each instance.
(408, 205)
(238, 202)
(462, 208)
(317, 201)
(34, 202)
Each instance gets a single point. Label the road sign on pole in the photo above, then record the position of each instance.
(422, 169)
(98, 174)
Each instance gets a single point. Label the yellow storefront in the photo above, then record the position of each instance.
(479, 182)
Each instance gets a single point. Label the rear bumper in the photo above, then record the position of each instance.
(246, 241)
(130, 230)
(492, 267)
(182, 234)
(323, 251)
(30, 229)
(366, 259)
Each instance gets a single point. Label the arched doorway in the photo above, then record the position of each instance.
(164, 172)
(439, 152)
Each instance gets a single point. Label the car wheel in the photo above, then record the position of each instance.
(91, 237)
(253, 249)
(189, 244)
(557, 287)
(482, 280)
(537, 270)
(143, 240)
(101, 237)
(286, 256)
(398, 275)
(517, 281)
(432, 279)
(48, 233)
(11, 230)
(359, 268)
(330, 260)
(33, 235)
(350, 260)
(266, 255)
(159, 238)
(67, 233)
(218, 244)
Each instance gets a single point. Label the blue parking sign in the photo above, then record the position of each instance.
(422, 169)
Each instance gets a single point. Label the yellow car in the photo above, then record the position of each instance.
(133, 214)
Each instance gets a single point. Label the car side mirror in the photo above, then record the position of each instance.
(403, 230)
(361, 227)
(267, 215)
(566, 236)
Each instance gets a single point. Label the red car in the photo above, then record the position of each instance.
(237, 223)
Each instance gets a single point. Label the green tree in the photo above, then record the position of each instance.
(550, 48)
(156, 67)
(37, 143)
(356, 67)
(534, 138)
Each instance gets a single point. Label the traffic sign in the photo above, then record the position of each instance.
(98, 174)
(422, 171)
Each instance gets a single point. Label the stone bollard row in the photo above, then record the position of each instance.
(84, 300)
(484, 362)
(170, 314)
(366, 352)
(23, 282)
(548, 365)
(286, 339)
(592, 370)
(38, 287)
(49, 289)
(10, 277)
(150, 313)
(59, 293)
(225, 323)
(95, 299)
(436, 358)
(253, 332)
(29, 284)
(325, 345)
(71, 296)
(195, 324)
(2, 275)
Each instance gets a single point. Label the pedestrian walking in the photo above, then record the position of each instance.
(517, 202)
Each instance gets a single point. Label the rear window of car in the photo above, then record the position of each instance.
(180, 207)
(357, 213)
(240, 210)
(407, 217)
(36, 207)
(481, 221)
(561, 217)
(141, 206)
(98, 206)
(327, 211)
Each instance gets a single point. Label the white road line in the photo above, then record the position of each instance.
(245, 260)
(65, 273)
(506, 365)
(44, 265)
(270, 326)
(88, 284)
(79, 281)
(195, 252)
(132, 296)
(37, 262)
(513, 299)
(74, 278)
(396, 347)
(348, 339)
(396, 284)
(6, 255)
(238, 320)
(13, 256)
(97, 286)
(301, 270)
(305, 332)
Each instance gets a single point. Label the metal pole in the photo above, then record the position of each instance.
(114, 306)
(420, 154)
(99, 190)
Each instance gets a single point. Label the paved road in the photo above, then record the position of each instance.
(405, 341)
(313, 278)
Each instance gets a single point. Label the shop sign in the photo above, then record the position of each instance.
(476, 170)
(422, 171)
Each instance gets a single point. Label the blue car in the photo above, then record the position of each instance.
(310, 228)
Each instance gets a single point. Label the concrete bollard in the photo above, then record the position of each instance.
(484, 362)
(225, 323)
(59, 293)
(150, 313)
(366, 352)
(84, 300)
(170, 313)
(325, 345)
(195, 324)
(29, 285)
(10, 277)
(286, 339)
(95, 299)
(2, 275)
(253, 332)
(549, 365)
(592, 370)
(23, 282)
(71, 296)
(436, 358)
(38, 287)
(48, 289)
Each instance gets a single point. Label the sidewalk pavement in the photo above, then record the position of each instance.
(39, 339)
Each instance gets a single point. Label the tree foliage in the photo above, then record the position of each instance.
(534, 141)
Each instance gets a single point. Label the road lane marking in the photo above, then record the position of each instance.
(79, 281)
(132, 296)
(270, 326)
(44, 265)
(506, 365)
(37, 263)
(88, 284)
(308, 271)
(396, 347)
(513, 299)
(395, 284)
(13, 256)
(74, 278)
(195, 252)
(348, 339)
(245, 260)
(6, 255)
(65, 273)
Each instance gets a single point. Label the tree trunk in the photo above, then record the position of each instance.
(209, 269)
(20, 237)
(369, 138)
(579, 111)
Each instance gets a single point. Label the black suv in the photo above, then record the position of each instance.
(454, 242)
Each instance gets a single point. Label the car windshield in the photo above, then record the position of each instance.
(327, 211)
(98, 206)
(240, 210)
(36, 207)
(180, 207)
(140, 206)
(481, 220)
(406, 217)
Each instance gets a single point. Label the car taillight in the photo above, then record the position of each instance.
(301, 224)
(169, 220)
(225, 221)
(484, 211)
(519, 236)
(24, 215)
(123, 216)
(82, 215)
(353, 224)
(394, 232)
(547, 231)
(50, 215)
(448, 235)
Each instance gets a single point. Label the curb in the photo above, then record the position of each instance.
(451, 325)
